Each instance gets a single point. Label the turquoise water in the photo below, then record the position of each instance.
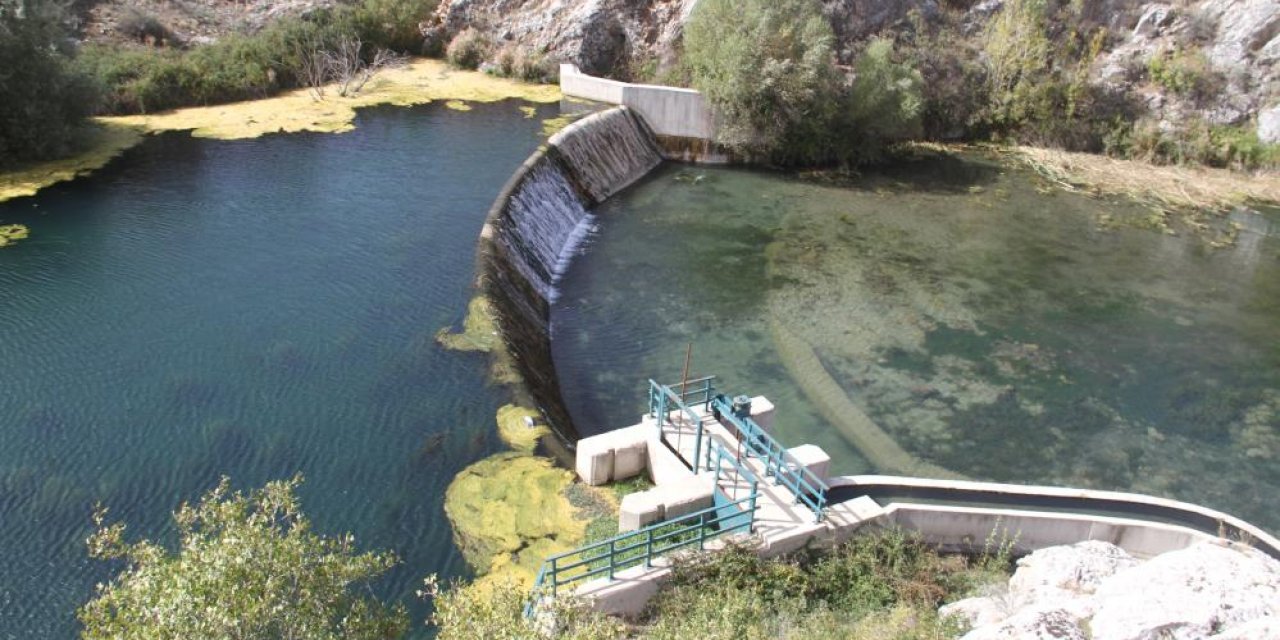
(255, 309)
(990, 325)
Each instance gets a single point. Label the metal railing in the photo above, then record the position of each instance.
(808, 488)
(717, 455)
(627, 550)
(663, 400)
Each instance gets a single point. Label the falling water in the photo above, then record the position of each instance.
(536, 224)
(608, 151)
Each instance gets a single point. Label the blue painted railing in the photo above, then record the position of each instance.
(663, 400)
(607, 557)
(807, 487)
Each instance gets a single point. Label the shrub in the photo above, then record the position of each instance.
(44, 100)
(884, 104)
(767, 66)
(144, 27)
(468, 49)
(1186, 73)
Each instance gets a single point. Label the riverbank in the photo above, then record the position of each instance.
(419, 82)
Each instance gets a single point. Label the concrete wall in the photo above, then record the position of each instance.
(669, 111)
(961, 527)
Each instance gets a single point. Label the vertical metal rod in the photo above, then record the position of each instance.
(611, 547)
(648, 551)
(555, 578)
(684, 381)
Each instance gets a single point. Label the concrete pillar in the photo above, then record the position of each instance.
(639, 510)
(813, 458)
(762, 412)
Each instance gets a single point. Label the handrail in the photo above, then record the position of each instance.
(612, 554)
(662, 400)
(779, 463)
(721, 454)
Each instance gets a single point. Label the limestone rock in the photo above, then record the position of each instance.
(1244, 27)
(1269, 125)
(978, 612)
(1155, 17)
(1068, 571)
(1191, 593)
(1036, 623)
(1260, 629)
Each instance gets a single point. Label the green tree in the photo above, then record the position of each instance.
(43, 103)
(768, 68)
(248, 566)
(884, 104)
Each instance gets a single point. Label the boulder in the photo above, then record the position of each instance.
(978, 612)
(1035, 623)
(1155, 17)
(1190, 593)
(1067, 571)
(1269, 125)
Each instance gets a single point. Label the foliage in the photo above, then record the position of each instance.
(240, 67)
(768, 68)
(248, 566)
(1194, 142)
(884, 103)
(43, 101)
(144, 27)
(1185, 72)
(468, 49)
(872, 587)
(521, 63)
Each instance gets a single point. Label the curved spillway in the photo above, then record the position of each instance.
(538, 218)
(969, 500)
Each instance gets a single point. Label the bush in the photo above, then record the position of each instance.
(522, 64)
(44, 100)
(884, 104)
(144, 28)
(247, 566)
(767, 66)
(1197, 143)
(1185, 73)
(468, 49)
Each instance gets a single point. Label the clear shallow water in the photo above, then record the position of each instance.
(251, 308)
(992, 327)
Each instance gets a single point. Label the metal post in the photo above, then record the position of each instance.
(751, 526)
(702, 532)
(697, 448)
(648, 550)
(611, 548)
(555, 578)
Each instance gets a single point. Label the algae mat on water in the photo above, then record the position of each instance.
(418, 82)
(104, 143)
(509, 512)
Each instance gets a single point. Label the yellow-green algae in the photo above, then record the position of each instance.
(513, 430)
(479, 331)
(509, 512)
(457, 105)
(10, 233)
(105, 141)
(418, 82)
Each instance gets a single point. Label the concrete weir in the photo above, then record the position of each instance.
(954, 515)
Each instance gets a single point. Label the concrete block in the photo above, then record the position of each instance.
(762, 412)
(630, 460)
(594, 461)
(691, 495)
(813, 458)
(639, 510)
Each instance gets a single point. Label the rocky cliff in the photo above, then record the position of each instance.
(1217, 590)
(1212, 60)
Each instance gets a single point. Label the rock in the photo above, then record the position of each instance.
(1244, 27)
(978, 612)
(1187, 594)
(1155, 17)
(1032, 624)
(1260, 629)
(1067, 571)
(1269, 125)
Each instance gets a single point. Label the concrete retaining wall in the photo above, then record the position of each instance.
(670, 111)
(1143, 525)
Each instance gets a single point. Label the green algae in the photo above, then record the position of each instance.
(479, 331)
(515, 431)
(105, 142)
(11, 233)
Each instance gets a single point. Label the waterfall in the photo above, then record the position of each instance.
(608, 151)
(535, 227)
(542, 216)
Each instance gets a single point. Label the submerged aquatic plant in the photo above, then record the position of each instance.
(10, 233)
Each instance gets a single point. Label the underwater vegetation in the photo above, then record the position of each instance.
(11, 233)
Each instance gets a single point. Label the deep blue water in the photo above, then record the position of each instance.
(250, 308)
